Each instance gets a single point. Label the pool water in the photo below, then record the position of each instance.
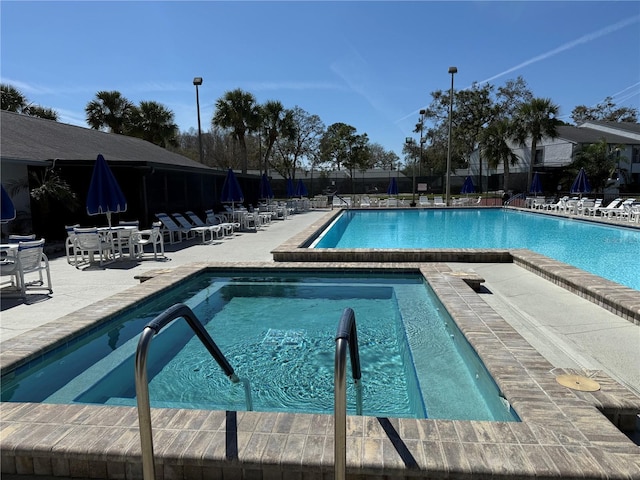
(607, 251)
(278, 332)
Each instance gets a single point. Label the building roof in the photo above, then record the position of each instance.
(584, 134)
(624, 126)
(31, 140)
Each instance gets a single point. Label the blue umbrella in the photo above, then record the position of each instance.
(104, 194)
(467, 186)
(301, 189)
(8, 210)
(231, 191)
(290, 189)
(392, 189)
(581, 183)
(536, 184)
(265, 187)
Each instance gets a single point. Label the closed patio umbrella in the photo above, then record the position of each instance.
(231, 191)
(581, 183)
(265, 188)
(536, 184)
(290, 190)
(8, 211)
(467, 186)
(301, 189)
(104, 195)
(392, 189)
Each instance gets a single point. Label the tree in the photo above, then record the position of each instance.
(276, 122)
(598, 162)
(238, 112)
(290, 151)
(154, 123)
(495, 147)
(535, 120)
(13, 100)
(109, 110)
(604, 111)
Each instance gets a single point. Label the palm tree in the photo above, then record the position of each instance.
(109, 110)
(494, 146)
(237, 111)
(277, 122)
(11, 99)
(535, 119)
(154, 123)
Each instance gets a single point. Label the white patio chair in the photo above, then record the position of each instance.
(439, 202)
(27, 259)
(227, 227)
(153, 237)
(214, 229)
(423, 201)
(88, 242)
(70, 240)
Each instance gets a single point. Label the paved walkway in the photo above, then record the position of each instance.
(567, 330)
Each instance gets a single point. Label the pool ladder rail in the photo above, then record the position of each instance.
(346, 336)
(179, 310)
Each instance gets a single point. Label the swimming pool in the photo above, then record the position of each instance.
(607, 251)
(277, 330)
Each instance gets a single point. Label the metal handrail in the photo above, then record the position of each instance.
(346, 335)
(179, 310)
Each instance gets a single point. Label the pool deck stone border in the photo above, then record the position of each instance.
(562, 434)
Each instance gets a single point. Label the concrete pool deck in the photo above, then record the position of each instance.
(563, 434)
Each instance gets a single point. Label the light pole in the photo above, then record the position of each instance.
(409, 142)
(452, 71)
(198, 81)
(422, 139)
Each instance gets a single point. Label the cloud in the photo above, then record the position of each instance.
(569, 45)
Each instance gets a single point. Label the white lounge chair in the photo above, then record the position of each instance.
(171, 228)
(365, 202)
(197, 221)
(621, 211)
(227, 227)
(439, 202)
(194, 229)
(611, 205)
(423, 201)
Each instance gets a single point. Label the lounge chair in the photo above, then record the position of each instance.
(611, 206)
(621, 211)
(438, 202)
(558, 206)
(365, 202)
(227, 227)
(197, 221)
(193, 229)
(423, 201)
(171, 228)
(28, 258)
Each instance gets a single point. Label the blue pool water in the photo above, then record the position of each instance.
(278, 332)
(607, 251)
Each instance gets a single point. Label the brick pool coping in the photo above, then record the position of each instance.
(561, 435)
(619, 299)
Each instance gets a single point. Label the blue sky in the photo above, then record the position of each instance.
(372, 65)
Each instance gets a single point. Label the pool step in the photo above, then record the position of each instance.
(470, 277)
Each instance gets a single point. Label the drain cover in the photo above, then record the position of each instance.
(578, 382)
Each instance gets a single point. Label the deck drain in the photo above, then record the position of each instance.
(578, 382)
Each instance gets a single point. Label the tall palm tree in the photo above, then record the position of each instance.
(154, 123)
(276, 122)
(535, 119)
(237, 111)
(109, 110)
(495, 147)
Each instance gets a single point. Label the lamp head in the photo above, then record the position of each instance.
(197, 81)
(453, 70)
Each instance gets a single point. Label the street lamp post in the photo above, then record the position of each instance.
(452, 71)
(409, 142)
(198, 81)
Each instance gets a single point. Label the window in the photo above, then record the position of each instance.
(539, 156)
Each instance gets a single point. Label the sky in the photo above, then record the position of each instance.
(372, 65)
